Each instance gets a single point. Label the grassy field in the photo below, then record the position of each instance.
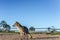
(36, 36)
(55, 33)
(13, 32)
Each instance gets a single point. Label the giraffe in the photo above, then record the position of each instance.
(22, 30)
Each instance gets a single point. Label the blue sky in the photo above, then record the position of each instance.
(37, 13)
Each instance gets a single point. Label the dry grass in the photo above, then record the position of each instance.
(35, 37)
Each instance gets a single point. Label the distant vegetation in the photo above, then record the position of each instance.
(31, 28)
(6, 28)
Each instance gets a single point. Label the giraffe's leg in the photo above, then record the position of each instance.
(23, 36)
(26, 37)
(29, 35)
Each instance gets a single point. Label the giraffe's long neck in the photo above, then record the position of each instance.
(20, 29)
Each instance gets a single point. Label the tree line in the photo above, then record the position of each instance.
(5, 27)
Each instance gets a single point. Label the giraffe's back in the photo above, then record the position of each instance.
(26, 30)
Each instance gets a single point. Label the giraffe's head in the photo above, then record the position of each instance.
(16, 24)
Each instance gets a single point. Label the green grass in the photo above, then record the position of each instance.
(10, 32)
(55, 33)
(13, 32)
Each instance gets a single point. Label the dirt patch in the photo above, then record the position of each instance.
(35, 37)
